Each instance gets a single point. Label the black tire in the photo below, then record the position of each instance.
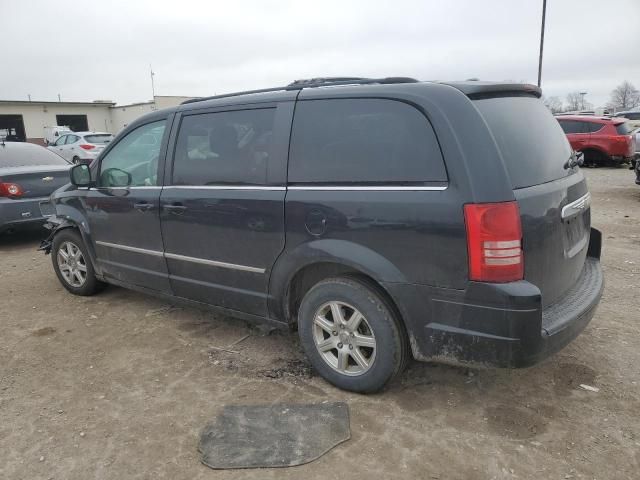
(391, 346)
(91, 284)
(595, 158)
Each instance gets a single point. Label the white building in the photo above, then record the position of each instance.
(27, 119)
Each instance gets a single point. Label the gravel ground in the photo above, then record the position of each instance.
(120, 385)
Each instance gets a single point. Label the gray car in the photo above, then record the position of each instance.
(28, 175)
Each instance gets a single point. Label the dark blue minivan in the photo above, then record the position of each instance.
(384, 218)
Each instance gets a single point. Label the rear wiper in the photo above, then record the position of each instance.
(575, 160)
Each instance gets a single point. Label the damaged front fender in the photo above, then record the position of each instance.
(53, 224)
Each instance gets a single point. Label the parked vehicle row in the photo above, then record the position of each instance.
(633, 117)
(80, 147)
(601, 139)
(384, 218)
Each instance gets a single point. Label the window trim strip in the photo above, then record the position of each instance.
(381, 188)
(373, 188)
(227, 187)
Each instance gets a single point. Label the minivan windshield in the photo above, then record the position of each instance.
(533, 146)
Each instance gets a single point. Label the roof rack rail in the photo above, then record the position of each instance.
(313, 83)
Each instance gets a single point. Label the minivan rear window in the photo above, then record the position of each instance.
(534, 148)
(363, 141)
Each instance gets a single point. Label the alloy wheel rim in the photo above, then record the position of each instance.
(344, 339)
(72, 264)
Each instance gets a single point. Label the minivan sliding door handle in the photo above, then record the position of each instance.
(142, 206)
(175, 208)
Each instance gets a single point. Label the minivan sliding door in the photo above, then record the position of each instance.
(222, 214)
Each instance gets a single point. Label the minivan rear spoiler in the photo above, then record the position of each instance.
(475, 89)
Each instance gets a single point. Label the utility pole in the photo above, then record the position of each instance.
(582, 94)
(153, 88)
(544, 14)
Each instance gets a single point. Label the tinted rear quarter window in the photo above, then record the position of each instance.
(534, 148)
(366, 141)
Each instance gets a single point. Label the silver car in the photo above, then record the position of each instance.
(81, 147)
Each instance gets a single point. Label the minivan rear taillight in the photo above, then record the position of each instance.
(494, 242)
(10, 190)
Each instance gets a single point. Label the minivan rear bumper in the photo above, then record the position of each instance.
(498, 325)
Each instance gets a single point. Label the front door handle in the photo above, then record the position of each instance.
(143, 206)
(176, 208)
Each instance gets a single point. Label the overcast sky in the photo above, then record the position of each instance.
(85, 50)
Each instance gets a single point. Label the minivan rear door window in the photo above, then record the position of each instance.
(224, 148)
(533, 145)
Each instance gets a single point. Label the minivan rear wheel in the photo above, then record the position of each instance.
(351, 335)
(72, 264)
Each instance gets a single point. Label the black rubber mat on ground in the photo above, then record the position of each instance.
(283, 435)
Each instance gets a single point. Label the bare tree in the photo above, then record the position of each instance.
(624, 97)
(574, 101)
(553, 103)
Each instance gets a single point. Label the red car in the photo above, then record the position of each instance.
(602, 139)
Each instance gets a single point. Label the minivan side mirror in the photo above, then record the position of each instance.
(116, 178)
(80, 175)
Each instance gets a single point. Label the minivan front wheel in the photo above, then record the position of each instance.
(351, 335)
(72, 264)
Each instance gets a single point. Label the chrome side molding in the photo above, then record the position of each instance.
(184, 258)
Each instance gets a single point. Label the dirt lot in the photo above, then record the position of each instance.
(120, 385)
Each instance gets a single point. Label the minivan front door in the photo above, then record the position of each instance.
(123, 210)
(222, 211)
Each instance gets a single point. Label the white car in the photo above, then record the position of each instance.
(51, 134)
(81, 147)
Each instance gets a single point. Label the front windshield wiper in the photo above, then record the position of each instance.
(576, 159)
